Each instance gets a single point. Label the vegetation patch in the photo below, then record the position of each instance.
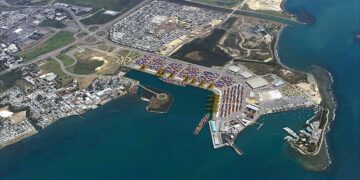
(288, 75)
(98, 18)
(93, 28)
(52, 23)
(81, 34)
(8, 8)
(87, 66)
(66, 60)
(115, 5)
(222, 3)
(9, 79)
(104, 47)
(204, 51)
(58, 40)
(27, 2)
(85, 82)
(102, 59)
(51, 65)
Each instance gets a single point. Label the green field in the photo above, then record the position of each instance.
(52, 23)
(82, 66)
(8, 8)
(67, 61)
(58, 40)
(87, 67)
(98, 18)
(116, 5)
(27, 2)
(81, 34)
(52, 66)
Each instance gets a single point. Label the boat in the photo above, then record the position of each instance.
(289, 139)
(201, 124)
(291, 132)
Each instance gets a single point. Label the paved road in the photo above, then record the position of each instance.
(106, 27)
(63, 68)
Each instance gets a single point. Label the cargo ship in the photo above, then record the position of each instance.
(201, 124)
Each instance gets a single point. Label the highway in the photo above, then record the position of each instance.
(106, 27)
(103, 28)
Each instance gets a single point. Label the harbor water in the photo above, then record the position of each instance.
(121, 140)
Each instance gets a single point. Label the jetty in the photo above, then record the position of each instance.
(237, 149)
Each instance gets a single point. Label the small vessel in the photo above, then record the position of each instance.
(201, 124)
(291, 132)
(289, 138)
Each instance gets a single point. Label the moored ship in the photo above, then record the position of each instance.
(201, 124)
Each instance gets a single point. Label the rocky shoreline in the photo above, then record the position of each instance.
(321, 159)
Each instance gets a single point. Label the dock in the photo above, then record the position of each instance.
(237, 149)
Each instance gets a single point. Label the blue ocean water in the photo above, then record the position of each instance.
(329, 43)
(120, 140)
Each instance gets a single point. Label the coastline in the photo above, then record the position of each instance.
(328, 101)
(326, 87)
(20, 138)
(292, 16)
(320, 159)
(38, 129)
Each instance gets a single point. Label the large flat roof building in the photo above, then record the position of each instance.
(257, 82)
(234, 69)
(246, 74)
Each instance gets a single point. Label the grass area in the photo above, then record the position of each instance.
(52, 23)
(98, 18)
(293, 77)
(130, 55)
(87, 67)
(116, 5)
(67, 61)
(84, 65)
(27, 2)
(222, 3)
(85, 82)
(229, 22)
(8, 8)
(51, 65)
(104, 47)
(205, 50)
(56, 41)
(102, 59)
(81, 34)
(93, 28)
(23, 84)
